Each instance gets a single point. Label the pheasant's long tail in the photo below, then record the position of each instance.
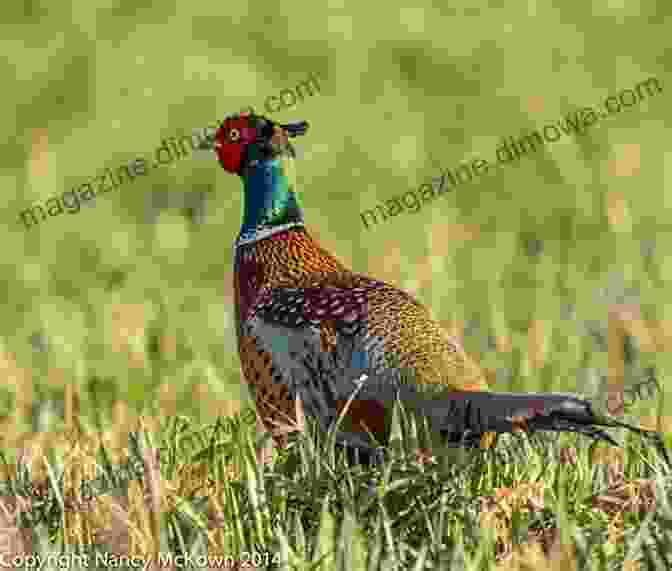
(466, 416)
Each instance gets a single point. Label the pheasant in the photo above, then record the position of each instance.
(309, 328)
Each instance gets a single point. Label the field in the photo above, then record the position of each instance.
(125, 427)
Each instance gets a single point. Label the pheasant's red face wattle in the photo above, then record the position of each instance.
(231, 139)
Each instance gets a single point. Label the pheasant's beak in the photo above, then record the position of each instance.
(207, 143)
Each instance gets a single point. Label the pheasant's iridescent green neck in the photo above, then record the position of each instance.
(270, 201)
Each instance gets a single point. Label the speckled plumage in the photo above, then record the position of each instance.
(308, 326)
(288, 283)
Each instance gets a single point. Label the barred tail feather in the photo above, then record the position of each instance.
(468, 415)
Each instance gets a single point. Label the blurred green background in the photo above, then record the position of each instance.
(554, 271)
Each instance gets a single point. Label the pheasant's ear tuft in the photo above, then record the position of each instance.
(296, 129)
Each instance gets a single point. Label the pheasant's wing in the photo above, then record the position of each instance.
(319, 338)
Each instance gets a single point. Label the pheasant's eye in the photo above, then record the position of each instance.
(234, 134)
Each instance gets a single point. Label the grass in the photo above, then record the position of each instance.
(199, 493)
(119, 321)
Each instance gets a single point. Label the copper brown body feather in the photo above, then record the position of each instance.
(297, 284)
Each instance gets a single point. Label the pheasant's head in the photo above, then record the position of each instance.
(258, 150)
(245, 140)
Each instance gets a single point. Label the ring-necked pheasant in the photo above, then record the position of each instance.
(309, 327)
